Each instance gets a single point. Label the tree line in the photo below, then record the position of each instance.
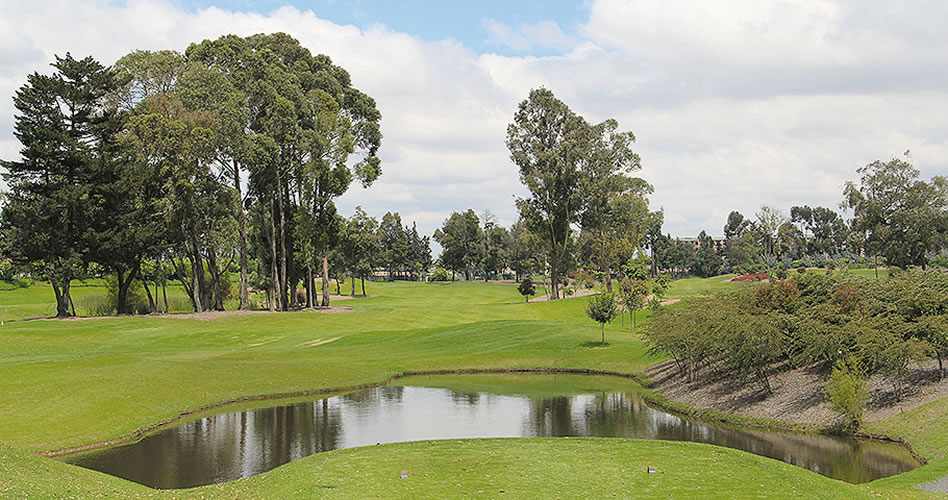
(231, 152)
(896, 217)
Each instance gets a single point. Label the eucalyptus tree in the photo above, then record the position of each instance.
(179, 146)
(523, 250)
(549, 144)
(360, 246)
(209, 91)
(393, 244)
(461, 239)
(769, 220)
(902, 217)
(325, 132)
(614, 205)
(62, 121)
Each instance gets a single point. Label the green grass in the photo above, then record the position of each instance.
(74, 382)
(491, 468)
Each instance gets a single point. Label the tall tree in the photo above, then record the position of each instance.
(769, 220)
(614, 205)
(904, 218)
(360, 246)
(61, 121)
(707, 262)
(461, 239)
(549, 143)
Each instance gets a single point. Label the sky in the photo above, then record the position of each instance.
(734, 103)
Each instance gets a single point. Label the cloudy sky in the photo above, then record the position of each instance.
(735, 103)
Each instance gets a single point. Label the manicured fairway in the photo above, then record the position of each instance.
(69, 383)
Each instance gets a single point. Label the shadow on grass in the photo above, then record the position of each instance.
(594, 344)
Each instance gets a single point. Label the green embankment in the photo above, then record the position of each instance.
(75, 382)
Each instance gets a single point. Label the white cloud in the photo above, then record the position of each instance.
(542, 35)
(734, 103)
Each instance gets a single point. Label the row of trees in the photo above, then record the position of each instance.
(235, 149)
(895, 216)
(883, 326)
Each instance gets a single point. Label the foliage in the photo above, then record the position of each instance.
(903, 218)
(632, 294)
(707, 262)
(64, 124)
(439, 274)
(461, 239)
(549, 144)
(135, 302)
(885, 325)
(847, 392)
(527, 289)
(602, 309)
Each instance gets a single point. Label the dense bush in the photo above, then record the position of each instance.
(884, 325)
(847, 394)
(439, 274)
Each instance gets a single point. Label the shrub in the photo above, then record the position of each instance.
(847, 392)
(527, 289)
(439, 274)
(136, 303)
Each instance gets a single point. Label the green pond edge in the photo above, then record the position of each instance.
(651, 396)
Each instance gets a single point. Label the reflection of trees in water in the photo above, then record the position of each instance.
(465, 398)
(617, 415)
(374, 395)
(550, 417)
(232, 445)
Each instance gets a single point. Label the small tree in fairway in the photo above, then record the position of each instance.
(602, 309)
(527, 289)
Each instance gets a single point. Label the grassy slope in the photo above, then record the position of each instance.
(521, 468)
(73, 382)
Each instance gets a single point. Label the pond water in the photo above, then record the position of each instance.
(227, 446)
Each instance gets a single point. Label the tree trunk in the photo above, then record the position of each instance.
(242, 231)
(338, 287)
(184, 283)
(164, 292)
(197, 278)
(123, 286)
(353, 278)
(62, 306)
(152, 306)
(274, 277)
(217, 293)
(310, 289)
(602, 330)
(363, 286)
(325, 302)
(283, 255)
(554, 278)
(604, 260)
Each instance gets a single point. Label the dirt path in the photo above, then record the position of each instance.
(798, 394)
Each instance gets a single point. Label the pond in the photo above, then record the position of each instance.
(226, 446)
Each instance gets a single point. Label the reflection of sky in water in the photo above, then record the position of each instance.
(233, 445)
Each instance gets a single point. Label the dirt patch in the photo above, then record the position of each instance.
(212, 315)
(798, 394)
(582, 292)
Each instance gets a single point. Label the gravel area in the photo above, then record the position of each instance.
(938, 485)
(798, 394)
